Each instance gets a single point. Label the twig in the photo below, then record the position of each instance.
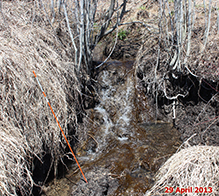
(70, 33)
(190, 71)
(189, 30)
(110, 52)
(186, 142)
(47, 15)
(171, 23)
(217, 19)
(93, 139)
(174, 97)
(208, 28)
(47, 175)
(145, 25)
(53, 11)
(106, 24)
(81, 35)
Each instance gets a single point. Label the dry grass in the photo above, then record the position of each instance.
(28, 128)
(196, 166)
(14, 169)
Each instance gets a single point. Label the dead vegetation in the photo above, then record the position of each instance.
(195, 166)
(45, 37)
(178, 61)
(28, 128)
(178, 68)
(15, 173)
(184, 50)
(35, 37)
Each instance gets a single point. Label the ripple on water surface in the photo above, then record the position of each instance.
(134, 159)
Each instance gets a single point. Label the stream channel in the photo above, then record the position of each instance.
(124, 147)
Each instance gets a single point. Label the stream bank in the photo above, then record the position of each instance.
(124, 146)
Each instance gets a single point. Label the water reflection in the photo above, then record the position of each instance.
(135, 159)
(122, 140)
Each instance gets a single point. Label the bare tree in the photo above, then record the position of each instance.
(207, 27)
(85, 38)
(184, 19)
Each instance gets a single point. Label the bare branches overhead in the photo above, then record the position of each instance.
(81, 19)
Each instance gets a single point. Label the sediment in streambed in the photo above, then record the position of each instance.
(125, 147)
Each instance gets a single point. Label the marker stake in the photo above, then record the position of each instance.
(60, 127)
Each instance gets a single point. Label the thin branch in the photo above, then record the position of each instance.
(208, 28)
(217, 19)
(81, 36)
(106, 24)
(205, 14)
(186, 143)
(46, 15)
(190, 71)
(145, 25)
(171, 23)
(103, 32)
(53, 11)
(70, 33)
(110, 52)
(193, 14)
(189, 30)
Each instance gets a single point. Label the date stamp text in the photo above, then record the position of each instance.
(188, 190)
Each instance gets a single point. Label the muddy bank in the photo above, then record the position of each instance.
(196, 113)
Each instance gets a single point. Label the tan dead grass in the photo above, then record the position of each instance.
(14, 168)
(196, 166)
(28, 128)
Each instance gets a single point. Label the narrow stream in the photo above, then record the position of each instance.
(124, 144)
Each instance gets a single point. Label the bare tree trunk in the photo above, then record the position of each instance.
(86, 38)
(70, 33)
(52, 11)
(208, 27)
(205, 14)
(171, 23)
(178, 21)
(81, 35)
(193, 14)
(189, 29)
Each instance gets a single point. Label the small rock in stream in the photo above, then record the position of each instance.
(99, 184)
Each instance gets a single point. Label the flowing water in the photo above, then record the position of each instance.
(122, 139)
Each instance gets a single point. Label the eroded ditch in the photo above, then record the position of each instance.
(125, 148)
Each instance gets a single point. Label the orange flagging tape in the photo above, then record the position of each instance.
(60, 127)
